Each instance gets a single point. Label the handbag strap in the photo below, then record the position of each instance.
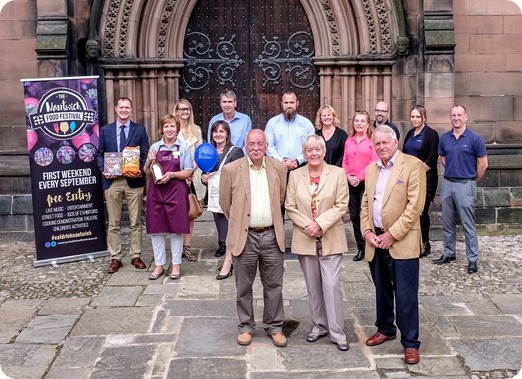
(225, 159)
(192, 189)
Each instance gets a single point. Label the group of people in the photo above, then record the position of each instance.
(315, 175)
(167, 199)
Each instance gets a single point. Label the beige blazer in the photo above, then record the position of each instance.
(331, 205)
(402, 206)
(234, 198)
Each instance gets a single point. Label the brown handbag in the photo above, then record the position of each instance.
(195, 208)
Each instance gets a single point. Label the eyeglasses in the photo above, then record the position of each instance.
(258, 144)
(380, 111)
(182, 110)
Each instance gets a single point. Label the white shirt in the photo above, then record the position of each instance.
(260, 209)
(380, 188)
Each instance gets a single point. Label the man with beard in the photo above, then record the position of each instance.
(286, 133)
(382, 117)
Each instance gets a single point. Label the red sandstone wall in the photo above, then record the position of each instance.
(488, 66)
(17, 60)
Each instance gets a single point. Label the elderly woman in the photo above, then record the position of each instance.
(358, 154)
(167, 197)
(221, 139)
(422, 142)
(316, 200)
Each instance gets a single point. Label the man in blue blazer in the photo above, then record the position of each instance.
(115, 137)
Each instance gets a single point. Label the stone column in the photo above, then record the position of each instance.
(439, 61)
(52, 38)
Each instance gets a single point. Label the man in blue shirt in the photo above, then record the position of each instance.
(464, 157)
(286, 133)
(240, 124)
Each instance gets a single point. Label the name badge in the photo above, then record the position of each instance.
(176, 154)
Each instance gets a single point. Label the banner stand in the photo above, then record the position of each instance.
(71, 258)
(66, 184)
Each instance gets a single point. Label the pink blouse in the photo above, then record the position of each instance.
(357, 156)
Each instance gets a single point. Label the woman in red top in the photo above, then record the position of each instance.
(358, 154)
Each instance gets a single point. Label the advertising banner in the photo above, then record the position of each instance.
(62, 139)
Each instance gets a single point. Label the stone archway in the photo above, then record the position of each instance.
(142, 52)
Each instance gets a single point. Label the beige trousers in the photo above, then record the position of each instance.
(114, 197)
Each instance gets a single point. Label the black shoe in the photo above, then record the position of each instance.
(359, 256)
(443, 259)
(427, 249)
(314, 337)
(342, 345)
(222, 249)
(229, 273)
(472, 268)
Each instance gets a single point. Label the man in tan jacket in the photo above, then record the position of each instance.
(391, 207)
(251, 193)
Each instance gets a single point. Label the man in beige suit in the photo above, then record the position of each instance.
(251, 193)
(392, 204)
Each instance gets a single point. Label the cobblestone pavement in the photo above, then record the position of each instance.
(77, 321)
(500, 270)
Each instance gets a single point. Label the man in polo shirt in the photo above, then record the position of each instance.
(463, 155)
(240, 124)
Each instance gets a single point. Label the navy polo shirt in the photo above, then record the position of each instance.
(461, 155)
(413, 145)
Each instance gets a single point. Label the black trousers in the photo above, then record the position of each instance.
(354, 208)
(397, 282)
(425, 220)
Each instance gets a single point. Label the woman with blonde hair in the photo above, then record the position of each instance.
(190, 133)
(316, 200)
(358, 154)
(327, 126)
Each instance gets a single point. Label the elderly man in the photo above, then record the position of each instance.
(465, 161)
(390, 216)
(252, 191)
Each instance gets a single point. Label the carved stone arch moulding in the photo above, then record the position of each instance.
(377, 14)
(117, 13)
(115, 28)
(185, 6)
(163, 33)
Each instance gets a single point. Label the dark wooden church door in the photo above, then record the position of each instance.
(258, 49)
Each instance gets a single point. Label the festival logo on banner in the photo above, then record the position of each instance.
(62, 139)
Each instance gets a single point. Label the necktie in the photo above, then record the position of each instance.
(123, 139)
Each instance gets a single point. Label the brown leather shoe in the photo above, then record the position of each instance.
(244, 338)
(378, 338)
(114, 266)
(411, 356)
(279, 339)
(138, 263)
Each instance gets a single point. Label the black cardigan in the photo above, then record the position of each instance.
(428, 153)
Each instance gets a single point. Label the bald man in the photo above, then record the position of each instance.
(251, 193)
